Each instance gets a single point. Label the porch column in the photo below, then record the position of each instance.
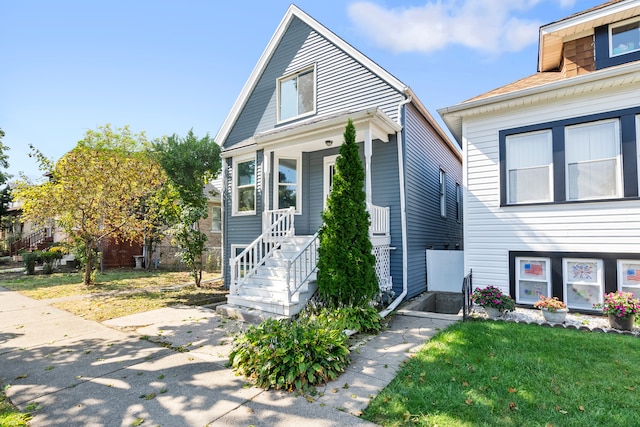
(368, 149)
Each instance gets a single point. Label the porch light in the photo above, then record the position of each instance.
(329, 142)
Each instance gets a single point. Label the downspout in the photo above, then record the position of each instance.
(403, 214)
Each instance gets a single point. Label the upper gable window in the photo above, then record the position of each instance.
(624, 37)
(297, 94)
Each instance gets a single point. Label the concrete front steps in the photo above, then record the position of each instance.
(265, 294)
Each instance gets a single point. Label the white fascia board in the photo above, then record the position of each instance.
(292, 12)
(453, 115)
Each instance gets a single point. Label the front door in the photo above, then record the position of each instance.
(328, 171)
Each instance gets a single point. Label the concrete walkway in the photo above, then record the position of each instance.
(167, 368)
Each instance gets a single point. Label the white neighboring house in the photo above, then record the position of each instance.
(550, 165)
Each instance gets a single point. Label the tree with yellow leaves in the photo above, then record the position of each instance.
(96, 191)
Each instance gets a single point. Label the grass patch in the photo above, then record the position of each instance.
(117, 293)
(9, 415)
(506, 374)
(100, 308)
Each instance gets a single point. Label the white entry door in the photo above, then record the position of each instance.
(328, 171)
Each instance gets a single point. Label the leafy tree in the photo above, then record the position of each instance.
(5, 193)
(94, 191)
(346, 266)
(190, 163)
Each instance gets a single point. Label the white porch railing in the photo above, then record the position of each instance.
(302, 265)
(379, 220)
(380, 234)
(247, 262)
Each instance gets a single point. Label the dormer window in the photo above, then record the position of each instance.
(297, 94)
(624, 37)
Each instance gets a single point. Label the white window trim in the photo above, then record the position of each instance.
(315, 94)
(327, 161)
(442, 192)
(546, 279)
(565, 282)
(616, 25)
(234, 187)
(213, 230)
(550, 148)
(618, 160)
(638, 145)
(621, 272)
(276, 182)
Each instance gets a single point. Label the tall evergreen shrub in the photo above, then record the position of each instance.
(346, 266)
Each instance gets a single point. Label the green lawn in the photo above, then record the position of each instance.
(486, 373)
(117, 293)
(10, 416)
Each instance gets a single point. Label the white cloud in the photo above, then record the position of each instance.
(492, 26)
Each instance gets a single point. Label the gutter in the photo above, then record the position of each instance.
(403, 214)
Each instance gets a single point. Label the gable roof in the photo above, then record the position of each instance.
(292, 13)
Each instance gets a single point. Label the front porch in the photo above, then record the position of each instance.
(276, 274)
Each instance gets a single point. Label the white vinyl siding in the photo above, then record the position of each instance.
(491, 231)
(583, 282)
(533, 279)
(592, 152)
(529, 170)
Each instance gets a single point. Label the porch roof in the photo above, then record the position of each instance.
(312, 134)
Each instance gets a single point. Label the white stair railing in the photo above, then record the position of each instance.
(253, 256)
(302, 265)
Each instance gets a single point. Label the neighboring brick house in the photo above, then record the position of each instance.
(211, 226)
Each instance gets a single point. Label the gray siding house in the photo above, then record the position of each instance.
(279, 145)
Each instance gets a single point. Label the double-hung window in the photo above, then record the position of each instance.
(529, 167)
(244, 182)
(592, 153)
(297, 94)
(216, 218)
(288, 183)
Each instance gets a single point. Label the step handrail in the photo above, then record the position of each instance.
(302, 265)
(253, 256)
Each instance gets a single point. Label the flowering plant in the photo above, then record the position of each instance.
(493, 297)
(551, 304)
(619, 304)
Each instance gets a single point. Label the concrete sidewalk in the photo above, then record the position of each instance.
(167, 368)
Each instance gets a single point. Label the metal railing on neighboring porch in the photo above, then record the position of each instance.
(253, 256)
(467, 285)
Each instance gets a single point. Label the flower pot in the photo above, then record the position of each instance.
(492, 312)
(557, 316)
(624, 323)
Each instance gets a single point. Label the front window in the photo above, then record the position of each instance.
(625, 37)
(288, 183)
(297, 95)
(529, 171)
(592, 160)
(245, 186)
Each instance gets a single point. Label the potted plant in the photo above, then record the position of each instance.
(494, 302)
(553, 310)
(621, 307)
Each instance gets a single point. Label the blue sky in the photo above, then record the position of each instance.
(167, 66)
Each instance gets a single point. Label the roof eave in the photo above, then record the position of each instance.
(453, 115)
(294, 11)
